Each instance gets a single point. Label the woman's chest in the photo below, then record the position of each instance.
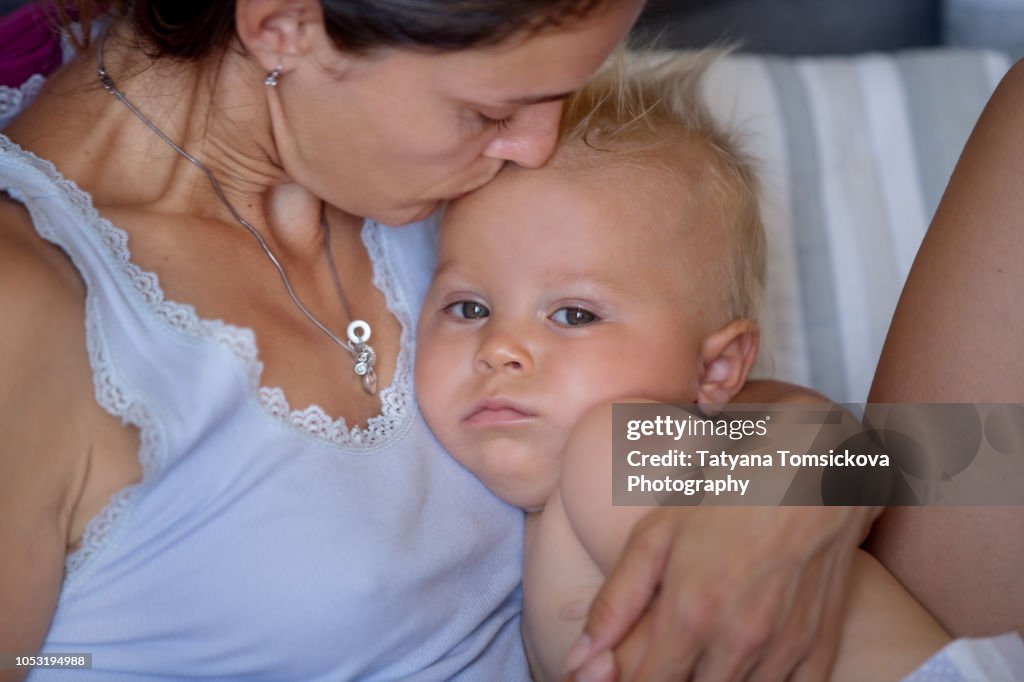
(298, 303)
(267, 559)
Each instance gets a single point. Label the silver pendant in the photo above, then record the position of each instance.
(363, 355)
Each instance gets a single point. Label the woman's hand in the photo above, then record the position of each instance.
(715, 594)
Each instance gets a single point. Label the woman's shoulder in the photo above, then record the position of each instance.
(33, 273)
(42, 303)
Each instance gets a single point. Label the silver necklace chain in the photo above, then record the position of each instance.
(363, 356)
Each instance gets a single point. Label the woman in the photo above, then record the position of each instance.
(170, 503)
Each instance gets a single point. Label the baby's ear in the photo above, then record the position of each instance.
(726, 358)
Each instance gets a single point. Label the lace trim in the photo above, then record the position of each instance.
(115, 399)
(393, 400)
(15, 100)
(313, 420)
(113, 396)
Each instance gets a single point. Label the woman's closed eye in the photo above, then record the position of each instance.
(574, 316)
(468, 310)
(499, 123)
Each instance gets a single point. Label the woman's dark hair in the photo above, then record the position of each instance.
(192, 29)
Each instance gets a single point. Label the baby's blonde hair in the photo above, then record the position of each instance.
(647, 110)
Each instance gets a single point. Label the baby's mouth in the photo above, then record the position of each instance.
(499, 412)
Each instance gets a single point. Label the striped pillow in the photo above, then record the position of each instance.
(855, 153)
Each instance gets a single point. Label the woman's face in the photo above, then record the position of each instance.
(391, 135)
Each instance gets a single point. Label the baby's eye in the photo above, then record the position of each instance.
(574, 317)
(468, 310)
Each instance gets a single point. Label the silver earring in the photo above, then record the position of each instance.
(271, 80)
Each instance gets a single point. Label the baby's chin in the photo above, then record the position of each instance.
(530, 496)
(513, 470)
(529, 491)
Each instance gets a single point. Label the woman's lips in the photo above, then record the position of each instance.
(476, 185)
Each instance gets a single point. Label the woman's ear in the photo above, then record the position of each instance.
(274, 30)
(726, 358)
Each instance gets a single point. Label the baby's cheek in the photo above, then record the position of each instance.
(431, 377)
(608, 372)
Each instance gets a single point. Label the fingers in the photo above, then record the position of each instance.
(808, 640)
(600, 668)
(819, 660)
(683, 623)
(630, 655)
(766, 609)
(627, 659)
(742, 640)
(627, 592)
(818, 664)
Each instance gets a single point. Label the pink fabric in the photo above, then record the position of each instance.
(29, 44)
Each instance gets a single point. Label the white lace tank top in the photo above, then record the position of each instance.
(264, 542)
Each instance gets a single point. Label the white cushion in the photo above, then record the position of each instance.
(855, 153)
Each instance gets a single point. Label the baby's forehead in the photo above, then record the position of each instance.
(641, 206)
(623, 217)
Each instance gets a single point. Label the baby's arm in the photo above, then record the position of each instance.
(885, 632)
(585, 489)
(561, 573)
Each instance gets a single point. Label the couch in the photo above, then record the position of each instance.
(854, 155)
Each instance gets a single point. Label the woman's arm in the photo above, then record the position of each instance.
(956, 337)
(41, 461)
(724, 593)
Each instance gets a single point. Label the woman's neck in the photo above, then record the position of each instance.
(216, 110)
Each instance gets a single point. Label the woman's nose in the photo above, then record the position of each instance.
(501, 352)
(531, 136)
